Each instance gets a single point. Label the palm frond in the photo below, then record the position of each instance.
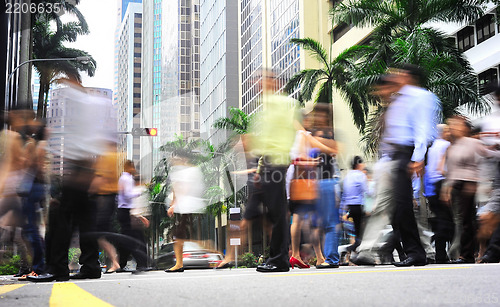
(314, 47)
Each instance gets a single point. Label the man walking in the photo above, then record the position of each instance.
(409, 127)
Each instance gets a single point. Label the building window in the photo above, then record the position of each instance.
(137, 65)
(137, 95)
(137, 85)
(485, 28)
(487, 79)
(138, 15)
(340, 31)
(137, 45)
(137, 25)
(465, 38)
(137, 34)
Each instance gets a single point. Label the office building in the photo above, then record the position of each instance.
(219, 88)
(128, 80)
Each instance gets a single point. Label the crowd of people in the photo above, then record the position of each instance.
(294, 180)
(420, 160)
(40, 213)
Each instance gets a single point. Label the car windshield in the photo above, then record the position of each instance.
(191, 246)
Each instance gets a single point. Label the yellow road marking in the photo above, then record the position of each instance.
(8, 288)
(69, 294)
(374, 271)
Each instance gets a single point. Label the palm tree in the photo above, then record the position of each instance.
(238, 121)
(335, 74)
(50, 44)
(401, 36)
(391, 16)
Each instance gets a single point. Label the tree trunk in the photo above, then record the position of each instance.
(219, 231)
(46, 100)
(41, 102)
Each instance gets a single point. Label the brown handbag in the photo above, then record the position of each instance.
(303, 189)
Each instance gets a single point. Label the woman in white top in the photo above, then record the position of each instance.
(188, 188)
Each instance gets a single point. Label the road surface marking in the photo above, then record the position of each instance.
(8, 288)
(69, 294)
(373, 271)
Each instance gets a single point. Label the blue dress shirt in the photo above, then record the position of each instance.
(411, 120)
(355, 187)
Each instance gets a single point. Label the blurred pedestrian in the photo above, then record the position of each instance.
(355, 186)
(462, 164)
(36, 183)
(327, 205)
(105, 190)
(442, 219)
(303, 194)
(83, 141)
(15, 181)
(273, 135)
(134, 243)
(409, 128)
(188, 189)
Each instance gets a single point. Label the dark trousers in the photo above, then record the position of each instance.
(404, 218)
(356, 213)
(31, 227)
(463, 194)
(442, 223)
(134, 244)
(74, 210)
(270, 191)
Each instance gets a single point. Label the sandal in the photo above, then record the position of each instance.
(25, 276)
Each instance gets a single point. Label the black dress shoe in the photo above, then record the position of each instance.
(226, 265)
(410, 261)
(326, 265)
(270, 268)
(47, 277)
(362, 259)
(82, 275)
(179, 270)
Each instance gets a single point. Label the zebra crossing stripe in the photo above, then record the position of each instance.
(69, 294)
(8, 288)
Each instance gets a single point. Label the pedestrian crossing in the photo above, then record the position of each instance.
(63, 294)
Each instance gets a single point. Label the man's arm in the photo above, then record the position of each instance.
(422, 121)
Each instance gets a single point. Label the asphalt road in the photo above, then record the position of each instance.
(432, 285)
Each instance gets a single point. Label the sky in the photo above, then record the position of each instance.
(101, 18)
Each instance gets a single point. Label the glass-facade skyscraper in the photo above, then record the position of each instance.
(128, 80)
(266, 29)
(219, 64)
(180, 60)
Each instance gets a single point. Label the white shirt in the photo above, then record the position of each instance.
(188, 186)
(126, 193)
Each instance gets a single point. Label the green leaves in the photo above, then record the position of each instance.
(238, 121)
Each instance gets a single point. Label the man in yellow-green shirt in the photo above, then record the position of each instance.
(272, 137)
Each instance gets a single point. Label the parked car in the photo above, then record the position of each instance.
(194, 256)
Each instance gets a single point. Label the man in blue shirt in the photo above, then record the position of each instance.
(409, 129)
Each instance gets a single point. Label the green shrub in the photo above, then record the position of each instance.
(74, 254)
(248, 260)
(11, 267)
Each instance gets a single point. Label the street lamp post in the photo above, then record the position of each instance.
(7, 83)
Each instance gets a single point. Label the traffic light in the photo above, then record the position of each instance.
(145, 132)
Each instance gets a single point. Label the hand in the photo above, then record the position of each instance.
(170, 211)
(445, 196)
(256, 180)
(416, 167)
